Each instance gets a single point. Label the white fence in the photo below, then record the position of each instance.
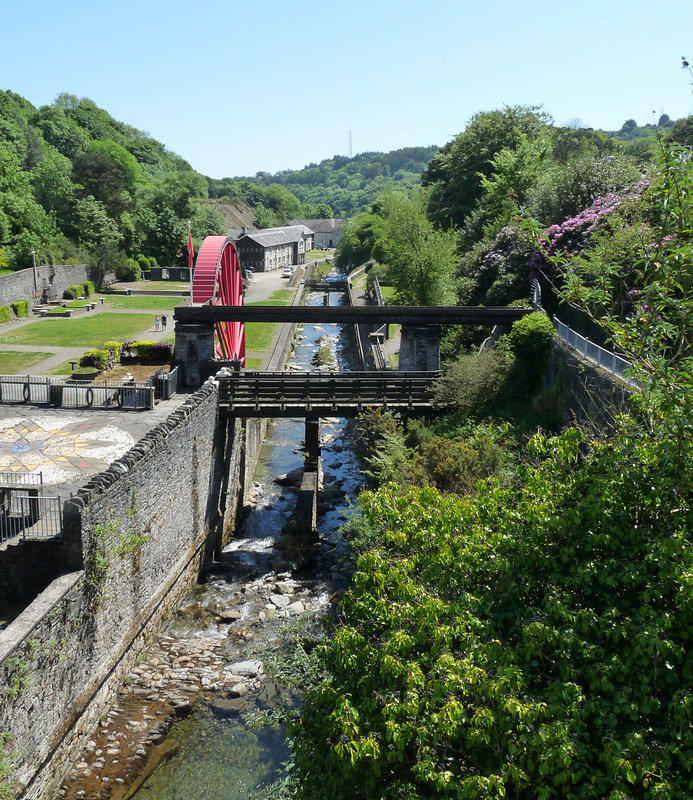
(608, 361)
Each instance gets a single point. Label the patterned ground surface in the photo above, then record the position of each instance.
(62, 448)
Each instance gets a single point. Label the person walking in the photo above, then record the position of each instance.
(163, 322)
(156, 323)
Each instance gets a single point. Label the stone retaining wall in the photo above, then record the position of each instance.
(141, 531)
(49, 281)
(589, 393)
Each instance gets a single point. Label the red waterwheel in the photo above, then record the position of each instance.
(217, 277)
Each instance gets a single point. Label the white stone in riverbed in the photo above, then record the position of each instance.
(284, 587)
(246, 669)
(295, 609)
(280, 600)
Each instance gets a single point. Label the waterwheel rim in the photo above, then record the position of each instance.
(217, 278)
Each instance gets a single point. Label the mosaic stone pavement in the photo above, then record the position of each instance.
(61, 448)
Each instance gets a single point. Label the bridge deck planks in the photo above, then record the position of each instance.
(313, 394)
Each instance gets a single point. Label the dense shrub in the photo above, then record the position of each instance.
(88, 288)
(5, 315)
(77, 289)
(147, 352)
(114, 349)
(529, 339)
(20, 308)
(152, 262)
(143, 262)
(530, 642)
(130, 271)
(473, 383)
(99, 359)
(69, 294)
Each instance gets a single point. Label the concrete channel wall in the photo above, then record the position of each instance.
(136, 536)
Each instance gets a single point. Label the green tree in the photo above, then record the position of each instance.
(208, 221)
(420, 260)
(455, 173)
(564, 189)
(51, 183)
(359, 235)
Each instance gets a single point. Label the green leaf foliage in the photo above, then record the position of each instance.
(527, 642)
(20, 308)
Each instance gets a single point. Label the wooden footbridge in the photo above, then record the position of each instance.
(320, 394)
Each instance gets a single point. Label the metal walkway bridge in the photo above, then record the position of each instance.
(406, 315)
(316, 394)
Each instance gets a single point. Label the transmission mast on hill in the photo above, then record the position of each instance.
(349, 142)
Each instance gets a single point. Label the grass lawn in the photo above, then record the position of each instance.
(281, 297)
(78, 303)
(259, 335)
(62, 369)
(388, 292)
(253, 363)
(84, 332)
(12, 363)
(155, 286)
(320, 270)
(138, 301)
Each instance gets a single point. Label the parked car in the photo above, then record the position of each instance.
(287, 272)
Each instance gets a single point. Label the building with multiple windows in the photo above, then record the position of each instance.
(327, 232)
(268, 249)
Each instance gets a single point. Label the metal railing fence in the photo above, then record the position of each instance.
(31, 517)
(165, 383)
(378, 292)
(611, 362)
(47, 390)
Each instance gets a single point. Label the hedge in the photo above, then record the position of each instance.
(88, 288)
(5, 315)
(114, 349)
(20, 308)
(147, 352)
(99, 359)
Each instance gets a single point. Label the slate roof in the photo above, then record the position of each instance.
(270, 237)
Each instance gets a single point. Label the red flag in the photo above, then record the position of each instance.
(191, 252)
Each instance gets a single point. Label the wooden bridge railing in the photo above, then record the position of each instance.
(276, 394)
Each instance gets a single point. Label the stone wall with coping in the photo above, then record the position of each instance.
(589, 393)
(143, 529)
(48, 281)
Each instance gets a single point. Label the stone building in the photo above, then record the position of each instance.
(273, 248)
(327, 232)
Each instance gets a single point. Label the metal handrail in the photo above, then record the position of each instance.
(607, 360)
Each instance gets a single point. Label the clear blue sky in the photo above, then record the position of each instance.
(236, 88)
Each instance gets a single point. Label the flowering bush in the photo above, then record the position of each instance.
(571, 237)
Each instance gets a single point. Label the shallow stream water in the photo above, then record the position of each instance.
(218, 756)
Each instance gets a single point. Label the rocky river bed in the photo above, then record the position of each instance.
(180, 727)
(208, 658)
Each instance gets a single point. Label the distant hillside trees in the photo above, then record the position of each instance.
(346, 185)
(76, 183)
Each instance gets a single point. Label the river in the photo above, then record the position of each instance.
(207, 672)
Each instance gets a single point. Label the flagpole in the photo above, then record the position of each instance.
(190, 262)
